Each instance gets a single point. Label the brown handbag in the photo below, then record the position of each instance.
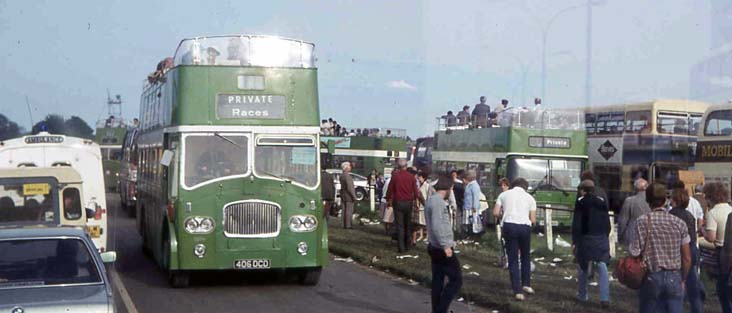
(631, 270)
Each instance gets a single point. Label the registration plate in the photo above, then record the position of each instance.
(252, 264)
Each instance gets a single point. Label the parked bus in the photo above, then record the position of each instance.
(714, 147)
(653, 140)
(367, 153)
(109, 135)
(228, 174)
(128, 172)
(45, 150)
(547, 148)
(422, 153)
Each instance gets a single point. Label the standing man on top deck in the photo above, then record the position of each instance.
(480, 113)
(464, 116)
(401, 195)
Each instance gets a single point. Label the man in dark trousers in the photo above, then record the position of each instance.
(480, 113)
(401, 195)
(445, 263)
(348, 195)
(327, 192)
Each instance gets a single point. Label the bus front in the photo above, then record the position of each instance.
(242, 151)
(548, 149)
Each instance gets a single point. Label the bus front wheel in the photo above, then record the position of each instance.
(176, 278)
(309, 277)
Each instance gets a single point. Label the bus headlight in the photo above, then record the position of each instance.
(303, 223)
(199, 225)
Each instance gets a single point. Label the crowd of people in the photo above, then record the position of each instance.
(331, 127)
(481, 116)
(659, 224)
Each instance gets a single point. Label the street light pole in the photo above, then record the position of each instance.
(544, 35)
(588, 66)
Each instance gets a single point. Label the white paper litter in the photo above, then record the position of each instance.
(375, 259)
(568, 277)
(412, 283)
(539, 259)
(461, 299)
(561, 242)
(557, 260)
(407, 256)
(467, 266)
(541, 235)
(474, 273)
(347, 260)
(457, 251)
(594, 284)
(553, 264)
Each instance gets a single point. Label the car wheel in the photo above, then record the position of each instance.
(360, 194)
(309, 277)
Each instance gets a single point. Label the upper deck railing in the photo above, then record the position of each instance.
(370, 132)
(245, 50)
(566, 119)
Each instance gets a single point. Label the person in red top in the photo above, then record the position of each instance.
(401, 195)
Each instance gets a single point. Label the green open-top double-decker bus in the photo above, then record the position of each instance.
(368, 153)
(228, 172)
(547, 148)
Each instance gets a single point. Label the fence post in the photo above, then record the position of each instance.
(548, 227)
(372, 195)
(613, 234)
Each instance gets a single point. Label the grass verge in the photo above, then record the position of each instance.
(484, 283)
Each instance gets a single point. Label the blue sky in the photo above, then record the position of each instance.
(381, 63)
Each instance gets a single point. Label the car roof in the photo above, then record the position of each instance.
(32, 231)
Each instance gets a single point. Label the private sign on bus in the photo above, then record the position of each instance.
(45, 150)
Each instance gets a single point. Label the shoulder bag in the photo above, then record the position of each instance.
(631, 270)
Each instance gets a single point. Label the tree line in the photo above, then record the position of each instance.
(54, 123)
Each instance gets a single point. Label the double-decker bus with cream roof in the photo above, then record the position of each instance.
(229, 170)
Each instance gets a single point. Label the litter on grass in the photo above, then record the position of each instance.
(347, 260)
(568, 277)
(412, 283)
(541, 235)
(539, 259)
(553, 264)
(407, 256)
(474, 273)
(467, 266)
(461, 299)
(561, 242)
(557, 260)
(594, 284)
(375, 259)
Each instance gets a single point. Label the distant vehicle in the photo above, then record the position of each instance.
(128, 172)
(422, 153)
(53, 269)
(653, 140)
(360, 183)
(547, 148)
(229, 173)
(109, 134)
(714, 148)
(367, 153)
(45, 150)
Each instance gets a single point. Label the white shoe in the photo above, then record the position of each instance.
(528, 290)
(520, 297)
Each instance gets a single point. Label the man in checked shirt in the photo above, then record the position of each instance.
(666, 254)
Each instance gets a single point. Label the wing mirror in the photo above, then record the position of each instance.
(109, 256)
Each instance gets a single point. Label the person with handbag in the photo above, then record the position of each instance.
(590, 241)
(661, 240)
(716, 228)
(471, 203)
(519, 214)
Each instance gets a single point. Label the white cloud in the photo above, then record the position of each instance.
(401, 84)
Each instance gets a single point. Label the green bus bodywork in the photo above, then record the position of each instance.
(110, 142)
(550, 159)
(367, 153)
(184, 104)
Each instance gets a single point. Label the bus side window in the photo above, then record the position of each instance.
(72, 204)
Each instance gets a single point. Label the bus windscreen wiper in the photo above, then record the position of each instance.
(285, 178)
(228, 140)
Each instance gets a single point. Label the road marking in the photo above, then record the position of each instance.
(129, 305)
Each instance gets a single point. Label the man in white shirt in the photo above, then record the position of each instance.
(519, 214)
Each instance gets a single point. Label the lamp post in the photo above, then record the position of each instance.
(588, 65)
